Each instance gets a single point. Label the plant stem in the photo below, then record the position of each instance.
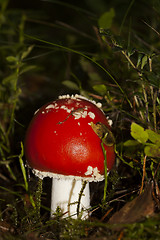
(155, 110)
(80, 196)
(143, 86)
(146, 102)
(38, 198)
(105, 171)
(144, 174)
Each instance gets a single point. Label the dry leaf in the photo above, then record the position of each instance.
(136, 210)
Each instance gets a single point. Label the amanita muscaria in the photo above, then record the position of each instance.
(63, 141)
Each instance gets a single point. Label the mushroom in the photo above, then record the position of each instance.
(62, 142)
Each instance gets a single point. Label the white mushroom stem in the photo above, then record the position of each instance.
(65, 194)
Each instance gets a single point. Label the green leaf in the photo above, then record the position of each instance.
(10, 79)
(106, 19)
(11, 59)
(138, 133)
(130, 143)
(152, 150)
(70, 84)
(27, 52)
(139, 59)
(153, 137)
(27, 68)
(94, 77)
(100, 88)
(144, 61)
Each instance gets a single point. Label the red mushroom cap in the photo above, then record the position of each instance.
(60, 139)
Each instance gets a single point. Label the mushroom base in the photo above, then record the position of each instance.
(66, 193)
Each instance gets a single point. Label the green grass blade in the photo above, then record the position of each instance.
(125, 16)
(23, 167)
(71, 6)
(10, 191)
(85, 56)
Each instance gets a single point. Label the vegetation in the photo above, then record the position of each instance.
(107, 51)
